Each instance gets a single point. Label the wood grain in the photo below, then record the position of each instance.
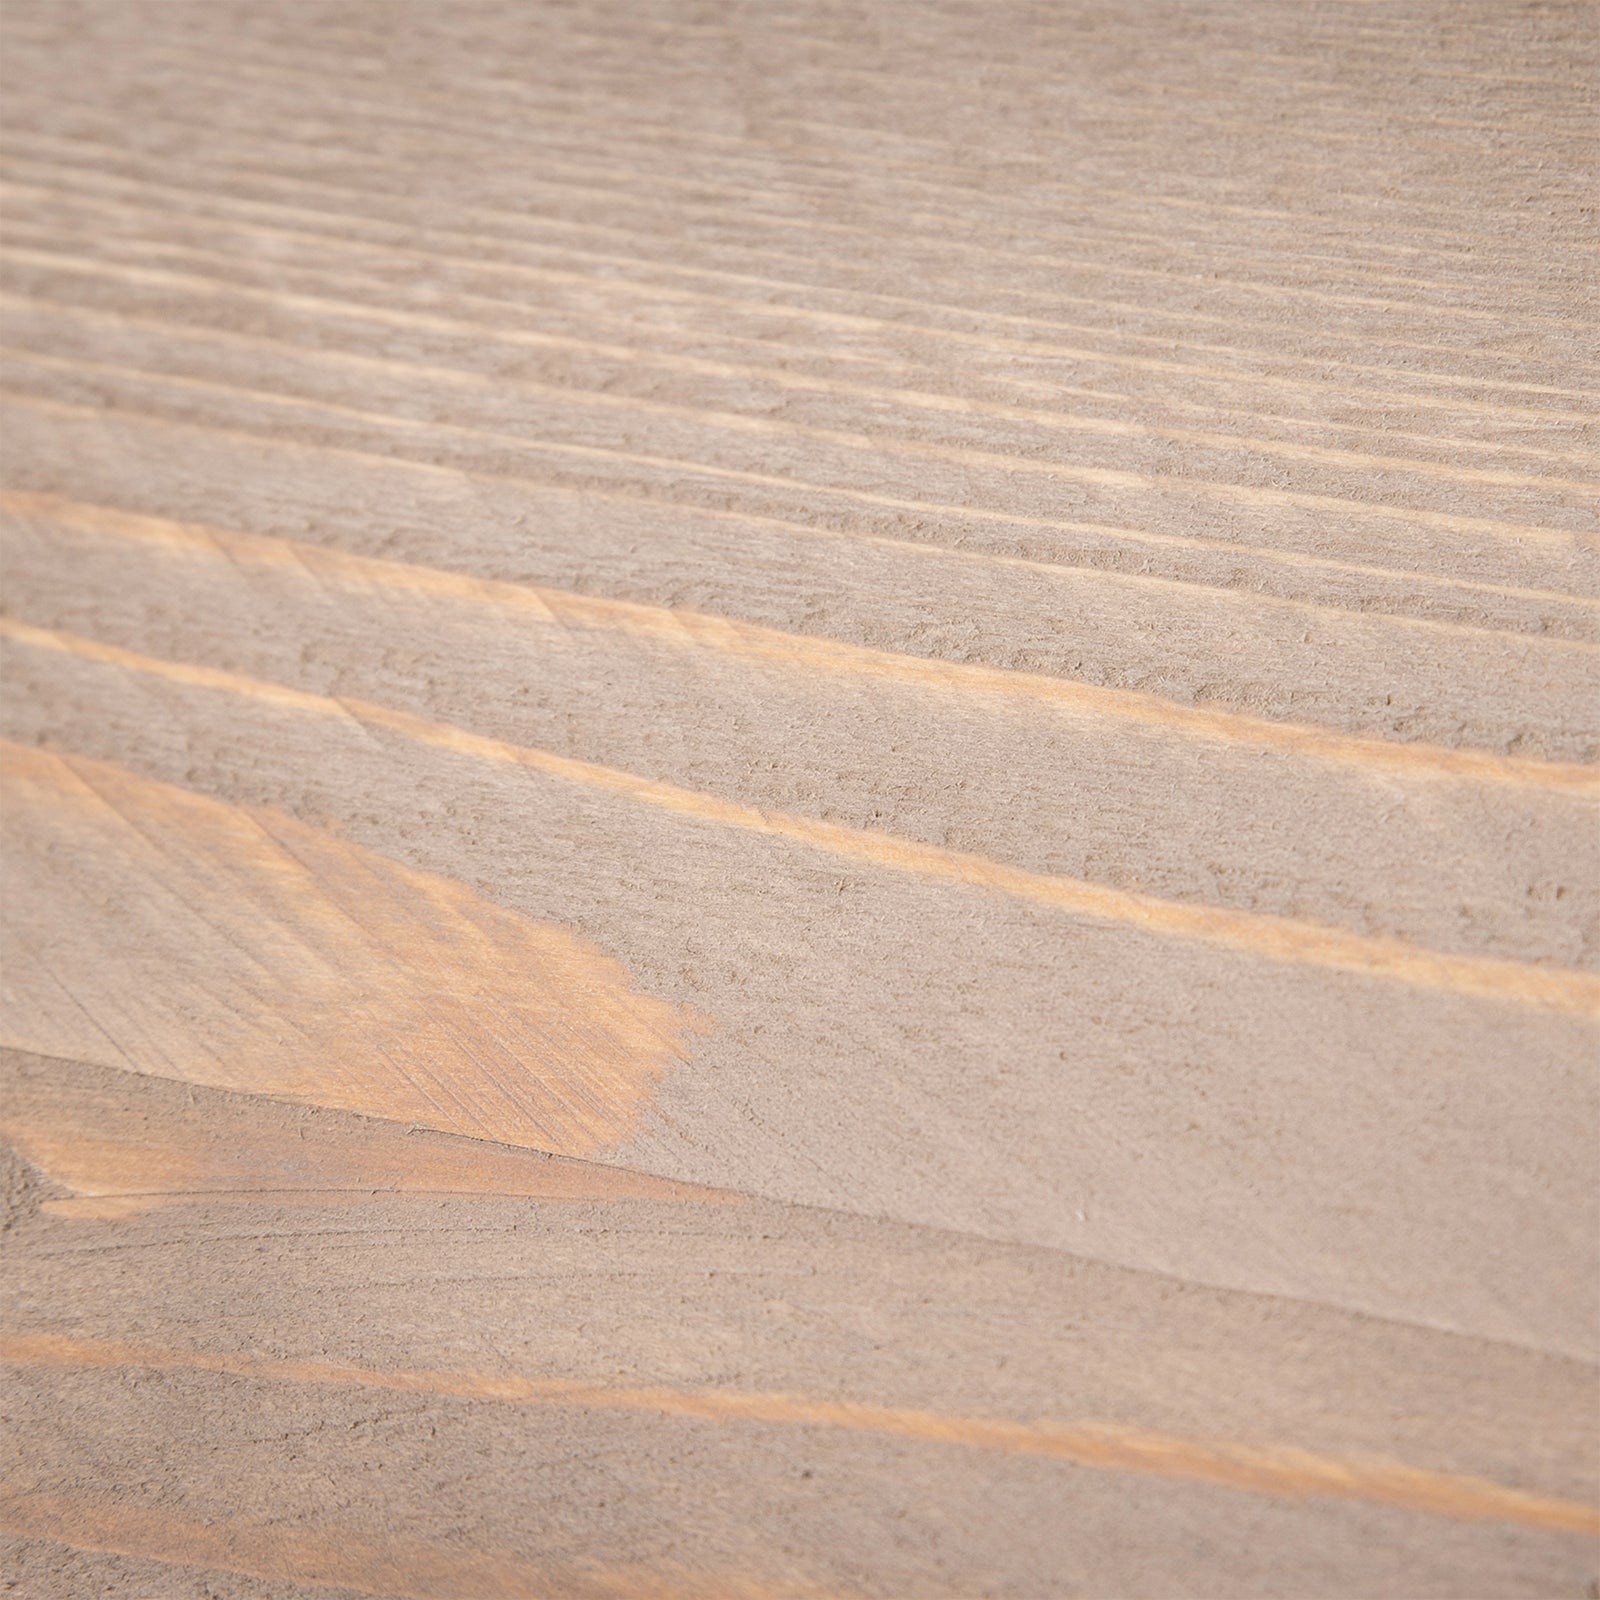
(311, 958)
(115, 1156)
(852, 1342)
(799, 801)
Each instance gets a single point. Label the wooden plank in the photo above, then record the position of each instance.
(798, 801)
(870, 951)
(849, 1337)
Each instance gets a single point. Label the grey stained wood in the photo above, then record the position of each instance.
(753, 1321)
(799, 800)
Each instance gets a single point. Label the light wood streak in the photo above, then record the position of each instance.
(1050, 420)
(808, 654)
(894, 444)
(1267, 1470)
(1297, 561)
(240, 948)
(649, 293)
(1277, 939)
(407, 1568)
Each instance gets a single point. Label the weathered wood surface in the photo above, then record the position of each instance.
(800, 802)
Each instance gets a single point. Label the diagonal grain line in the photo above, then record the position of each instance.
(1453, 236)
(655, 293)
(1504, 385)
(301, 182)
(824, 44)
(1198, 546)
(67, 509)
(1281, 940)
(827, 180)
(808, 653)
(825, 177)
(349, 194)
(1278, 1471)
(1229, 375)
(265, 68)
(944, 455)
(960, 406)
(327, 1559)
(600, 183)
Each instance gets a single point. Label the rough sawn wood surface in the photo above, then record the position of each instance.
(799, 800)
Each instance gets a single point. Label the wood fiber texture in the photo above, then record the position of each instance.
(799, 801)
